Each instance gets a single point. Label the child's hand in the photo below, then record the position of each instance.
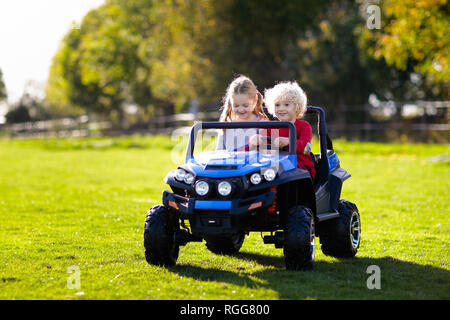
(281, 142)
(254, 140)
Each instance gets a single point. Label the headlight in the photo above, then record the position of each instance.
(189, 178)
(224, 188)
(255, 178)
(269, 174)
(202, 188)
(180, 174)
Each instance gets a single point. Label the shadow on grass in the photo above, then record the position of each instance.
(339, 279)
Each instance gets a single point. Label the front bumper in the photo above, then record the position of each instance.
(224, 217)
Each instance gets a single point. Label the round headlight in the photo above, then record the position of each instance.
(180, 174)
(202, 188)
(269, 174)
(224, 188)
(189, 178)
(255, 178)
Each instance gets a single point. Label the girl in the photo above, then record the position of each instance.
(242, 102)
(287, 102)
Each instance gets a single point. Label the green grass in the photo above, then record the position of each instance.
(82, 202)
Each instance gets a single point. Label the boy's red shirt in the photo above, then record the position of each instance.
(303, 136)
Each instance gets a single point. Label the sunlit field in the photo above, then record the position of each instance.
(82, 203)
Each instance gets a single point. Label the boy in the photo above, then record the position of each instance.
(287, 102)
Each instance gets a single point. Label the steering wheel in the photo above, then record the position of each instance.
(247, 147)
(267, 140)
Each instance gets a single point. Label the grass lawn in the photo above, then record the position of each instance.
(82, 202)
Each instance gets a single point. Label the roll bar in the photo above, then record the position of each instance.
(324, 140)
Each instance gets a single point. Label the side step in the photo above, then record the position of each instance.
(277, 239)
(182, 237)
(327, 215)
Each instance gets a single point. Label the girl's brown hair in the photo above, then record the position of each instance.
(241, 85)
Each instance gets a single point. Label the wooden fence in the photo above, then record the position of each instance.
(417, 120)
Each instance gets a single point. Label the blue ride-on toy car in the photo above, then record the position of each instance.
(220, 196)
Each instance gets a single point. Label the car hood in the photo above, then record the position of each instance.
(222, 163)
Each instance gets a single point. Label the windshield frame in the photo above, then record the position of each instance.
(242, 125)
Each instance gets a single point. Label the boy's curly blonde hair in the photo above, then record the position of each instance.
(286, 91)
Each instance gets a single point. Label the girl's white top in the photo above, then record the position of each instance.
(236, 139)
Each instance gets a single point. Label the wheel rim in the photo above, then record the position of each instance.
(355, 230)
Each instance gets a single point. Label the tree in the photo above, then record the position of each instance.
(161, 54)
(210, 42)
(3, 93)
(414, 33)
(259, 34)
(95, 67)
(326, 59)
(31, 105)
(18, 114)
(166, 53)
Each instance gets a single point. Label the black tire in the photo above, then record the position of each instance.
(225, 245)
(159, 244)
(299, 239)
(340, 237)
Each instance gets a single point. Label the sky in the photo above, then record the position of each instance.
(30, 33)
